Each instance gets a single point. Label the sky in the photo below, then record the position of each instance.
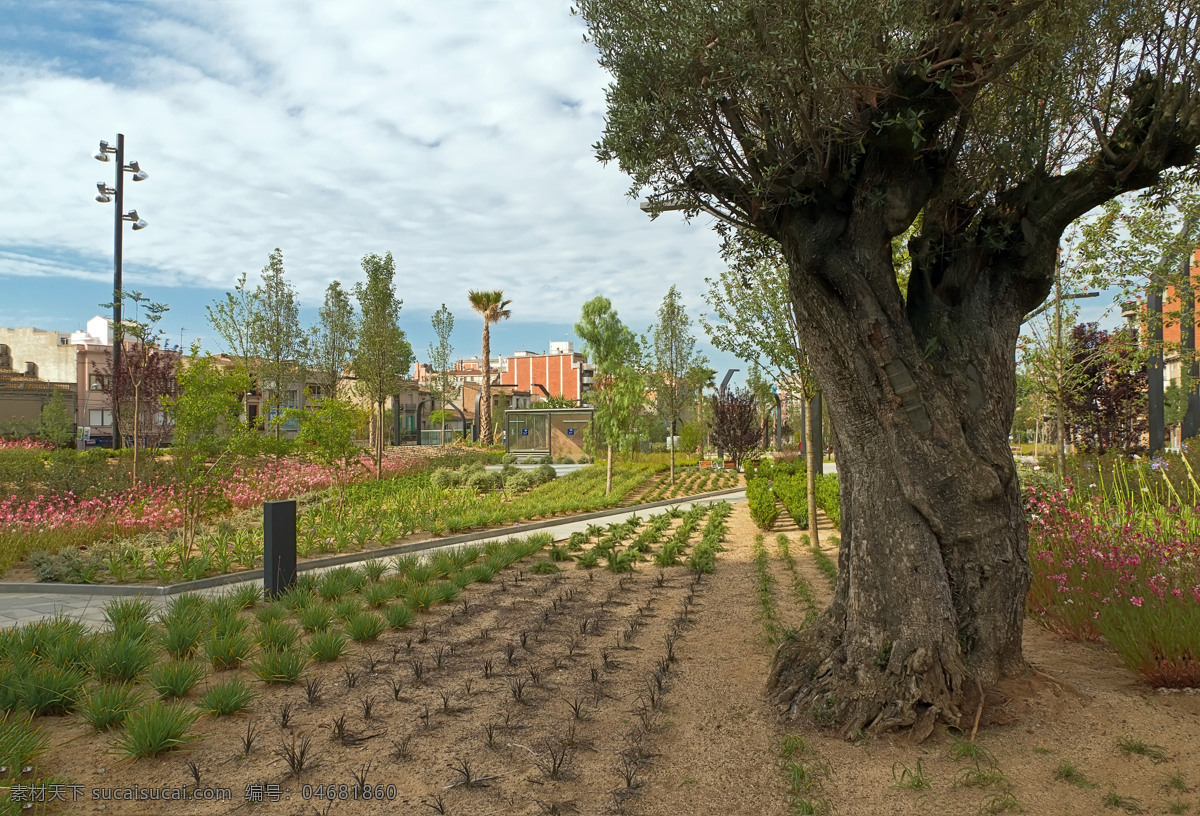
(457, 135)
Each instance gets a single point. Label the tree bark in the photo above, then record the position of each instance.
(933, 567)
(608, 472)
(485, 407)
(810, 487)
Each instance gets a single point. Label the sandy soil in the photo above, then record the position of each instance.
(705, 743)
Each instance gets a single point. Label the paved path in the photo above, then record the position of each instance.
(25, 607)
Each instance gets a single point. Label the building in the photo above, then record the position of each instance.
(562, 372)
(36, 362)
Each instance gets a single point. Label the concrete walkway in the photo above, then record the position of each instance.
(24, 607)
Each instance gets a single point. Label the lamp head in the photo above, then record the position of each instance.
(100, 155)
(140, 225)
(141, 175)
(131, 215)
(103, 199)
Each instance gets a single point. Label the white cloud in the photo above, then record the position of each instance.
(455, 134)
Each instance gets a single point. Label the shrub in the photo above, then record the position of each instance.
(508, 459)
(583, 460)
(105, 707)
(520, 481)
(175, 678)
(829, 498)
(231, 697)
(509, 470)
(544, 473)
(762, 503)
(441, 479)
(483, 482)
(792, 491)
(544, 568)
(156, 728)
(546, 460)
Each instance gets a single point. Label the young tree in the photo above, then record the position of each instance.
(233, 320)
(276, 333)
(736, 423)
(331, 344)
(329, 430)
(618, 390)
(1001, 124)
(1108, 406)
(205, 417)
(146, 372)
(383, 357)
(675, 355)
(55, 425)
(492, 306)
(441, 357)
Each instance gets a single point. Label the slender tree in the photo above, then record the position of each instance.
(492, 306)
(674, 350)
(276, 333)
(137, 384)
(383, 357)
(233, 319)
(55, 425)
(618, 391)
(204, 413)
(331, 342)
(999, 124)
(441, 357)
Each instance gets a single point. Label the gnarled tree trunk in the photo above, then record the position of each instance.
(933, 568)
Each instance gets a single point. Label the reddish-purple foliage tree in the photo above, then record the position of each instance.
(735, 429)
(1109, 410)
(146, 377)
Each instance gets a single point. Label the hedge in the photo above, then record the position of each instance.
(762, 503)
(829, 498)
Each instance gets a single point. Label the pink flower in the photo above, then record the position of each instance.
(1137, 600)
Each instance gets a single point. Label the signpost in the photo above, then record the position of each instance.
(279, 546)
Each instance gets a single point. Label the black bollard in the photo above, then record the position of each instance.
(279, 547)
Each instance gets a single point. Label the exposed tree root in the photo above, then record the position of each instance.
(917, 685)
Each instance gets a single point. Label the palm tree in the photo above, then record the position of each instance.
(492, 306)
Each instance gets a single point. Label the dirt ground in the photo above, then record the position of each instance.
(459, 741)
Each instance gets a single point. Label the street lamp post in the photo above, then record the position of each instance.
(107, 194)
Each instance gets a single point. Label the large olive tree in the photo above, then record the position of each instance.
(829, 127)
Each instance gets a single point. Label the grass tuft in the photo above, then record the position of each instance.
(156, 728)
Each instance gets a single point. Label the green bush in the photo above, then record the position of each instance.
(442, 479)
(508, 459)
(483, 482)
(546, 460)
(508, 471)
(544, 473)
(519, 481)
(106, 706)
(762, 503)
(792, 491)
(829, 498)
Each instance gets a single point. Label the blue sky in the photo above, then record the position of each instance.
(456, 134)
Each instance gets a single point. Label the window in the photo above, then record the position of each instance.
(5, 357)
(97, 382)
(31, 369)
(291, 398)
(98, 417)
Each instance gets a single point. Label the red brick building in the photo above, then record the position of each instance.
(560, 372)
